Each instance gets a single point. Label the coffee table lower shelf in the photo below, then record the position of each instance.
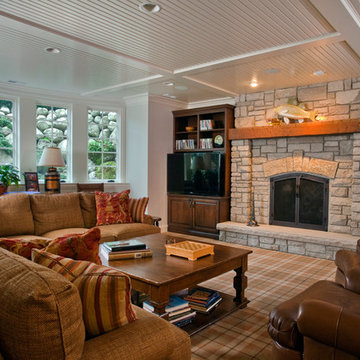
(225, 307)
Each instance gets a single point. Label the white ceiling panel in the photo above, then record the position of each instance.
(337, 61)
(24, 59)
(184, 32)
(209, 48)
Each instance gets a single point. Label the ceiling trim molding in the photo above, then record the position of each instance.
(18, 91)
(117, 86)
(352, 11)
(254, 55)
(210, 85)
(212, 102)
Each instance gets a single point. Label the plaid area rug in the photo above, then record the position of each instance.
(273, 277)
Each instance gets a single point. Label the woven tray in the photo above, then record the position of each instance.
(189, 249)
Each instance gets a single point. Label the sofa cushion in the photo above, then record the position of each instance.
(137, 208)
(56, 211)
(126, 231)
(112, 208)
(13, 208)
(140, 340)
(77, 246)
(62, 232)
(23, 247)
(40, 311)
(105, 292)
(88, 208)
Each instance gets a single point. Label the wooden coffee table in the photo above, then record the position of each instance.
(162, 275)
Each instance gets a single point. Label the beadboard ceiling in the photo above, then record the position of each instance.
(209, 49)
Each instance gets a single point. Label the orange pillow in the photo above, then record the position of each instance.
(77, 246)
(112, 208)
(23, 247)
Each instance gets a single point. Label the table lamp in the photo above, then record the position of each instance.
(52, 157)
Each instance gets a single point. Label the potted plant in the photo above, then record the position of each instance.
(9, 174)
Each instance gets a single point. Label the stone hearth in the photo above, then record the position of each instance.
(320, 244)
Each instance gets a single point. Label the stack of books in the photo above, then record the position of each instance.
(124, 249)
(180, 313)
(203, 300)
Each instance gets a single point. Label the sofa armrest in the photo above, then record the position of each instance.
(330, 324)
(151, 220)
(148, 337)
(358, 247)
(348, 263)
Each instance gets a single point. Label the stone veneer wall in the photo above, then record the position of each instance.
(336, 100)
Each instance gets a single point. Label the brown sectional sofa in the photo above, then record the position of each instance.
(41, 319)
(50, 216)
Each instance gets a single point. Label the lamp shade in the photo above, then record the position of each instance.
(51, 157)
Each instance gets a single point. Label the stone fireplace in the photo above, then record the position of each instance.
(327, 150)
(333, 158)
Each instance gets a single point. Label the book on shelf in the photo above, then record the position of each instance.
(182, 323)
(206, 143)
(184, 317)
(200, 293)
(122, 255)
(206, 124)
(123, 245)
(206, 310)
(176, 303)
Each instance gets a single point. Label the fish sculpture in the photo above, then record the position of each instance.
(288, 112)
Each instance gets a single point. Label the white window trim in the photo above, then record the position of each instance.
(16, 134)
(120, 160)
(56, 103)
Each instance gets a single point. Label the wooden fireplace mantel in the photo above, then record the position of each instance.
(304, 129)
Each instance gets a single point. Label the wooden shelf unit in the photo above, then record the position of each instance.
(193, 214)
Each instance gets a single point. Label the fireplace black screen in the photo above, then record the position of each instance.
(299, 200)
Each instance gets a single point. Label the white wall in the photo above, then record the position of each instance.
(160, 144)
(137, 125)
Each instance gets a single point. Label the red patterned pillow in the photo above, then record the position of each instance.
(77, 246)
(137, 208)
(23, 247)
(112, 208)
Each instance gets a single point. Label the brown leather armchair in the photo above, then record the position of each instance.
(323, 321)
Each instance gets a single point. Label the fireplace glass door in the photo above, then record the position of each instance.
(299, 200)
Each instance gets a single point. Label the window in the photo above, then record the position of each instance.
(102, 145)
(7, 124)
(52, 129)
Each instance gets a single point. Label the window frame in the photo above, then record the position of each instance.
(69, 153)
(15, 110)
(119, 149)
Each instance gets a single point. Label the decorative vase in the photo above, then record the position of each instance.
(3, 189)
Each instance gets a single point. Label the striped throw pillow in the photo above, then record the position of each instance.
(137, 208)
(105, 292)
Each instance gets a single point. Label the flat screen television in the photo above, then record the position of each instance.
(198, 173)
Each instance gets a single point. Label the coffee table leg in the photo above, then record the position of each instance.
(159, 300)
(240, 284)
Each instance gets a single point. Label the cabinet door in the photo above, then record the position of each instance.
(180, 211)
(206, 215)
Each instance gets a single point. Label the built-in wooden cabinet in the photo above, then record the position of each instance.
(201, 130)
(197, 215)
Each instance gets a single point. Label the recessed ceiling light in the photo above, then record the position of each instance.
(52, 50)
(149, 7)
(271, 71)
(168, 83)
(254, 83)
(318, 72)
(181, 87)
(170, 96)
